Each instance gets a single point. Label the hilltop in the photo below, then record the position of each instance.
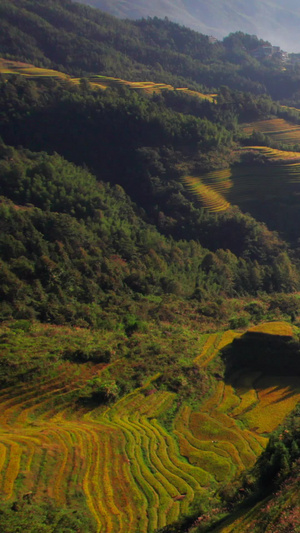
(275, 21)
(81, 41)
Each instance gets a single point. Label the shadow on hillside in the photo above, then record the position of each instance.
(272, 355)
(277, 206)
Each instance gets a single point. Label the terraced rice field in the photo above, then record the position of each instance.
(274, 328)
(277, 129)
(273, 155)
(146, 86)
(210, 189)
(100, 82)
(210, 97)
(28, 70)
(231, 429)
(270, 192)
(122, 464)
(250, 185)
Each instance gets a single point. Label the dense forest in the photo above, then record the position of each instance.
(224, 254)
(116, 275)
(82, 40)
(274, 20)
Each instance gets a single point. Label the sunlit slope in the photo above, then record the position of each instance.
(277, 177)
(147, 86)
(266, 183)
(122, 464)
(211, 189)
(230, 430)
(102, 82)
(277, 129)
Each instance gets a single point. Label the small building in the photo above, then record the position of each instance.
(267, 50)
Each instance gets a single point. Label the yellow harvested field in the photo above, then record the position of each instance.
(132, 474)
(230, 400)
(147, 86)
(248, 400)
(211, 189)
(278, 129)
(277, 396)
(235, 420)
(99, 81)
(274, 328)
(23, 69)
(66, 452)
(249, 185)
(210, 97)
(214, 344)
(207, 348)
(273, 154)
(210, 198)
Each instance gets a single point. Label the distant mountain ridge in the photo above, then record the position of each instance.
(275, 20)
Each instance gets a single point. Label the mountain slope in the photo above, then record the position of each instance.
(274, 20)
(80, 40)
(138, 360)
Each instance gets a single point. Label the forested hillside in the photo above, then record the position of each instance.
(149, 273)
(81, 40)
(275, 20)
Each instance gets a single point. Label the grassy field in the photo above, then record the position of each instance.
(120, 462)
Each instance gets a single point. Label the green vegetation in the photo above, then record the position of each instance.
(149, 324)
(44, 34)
(265, 183)
(25, 515)
(279, 130)
(268, 499)
(132, 442)
(273, 20)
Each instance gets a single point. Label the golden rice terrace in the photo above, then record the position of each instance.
(8, 67)
(131, 472)
(266, 184)
(277, 129)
